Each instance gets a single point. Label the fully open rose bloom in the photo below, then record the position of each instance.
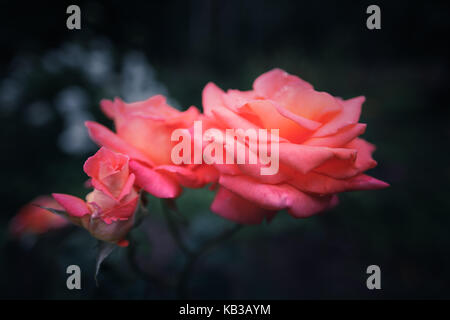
(31, 219)
(143, 132)
(320, 152)
(108, 212)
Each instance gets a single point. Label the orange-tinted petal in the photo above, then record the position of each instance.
(347, 168)
(350, 114)
(305, 158)
(235, 208)
(212, 98)
(74, 206)
(155, 183)
(105, 137)
(341, 138)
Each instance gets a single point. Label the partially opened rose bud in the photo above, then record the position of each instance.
(110, 176)
(108, 212)
(31, 219)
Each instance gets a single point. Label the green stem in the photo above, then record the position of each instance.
(158, 281)
(192, 256)
(174, 230)
(185, 275)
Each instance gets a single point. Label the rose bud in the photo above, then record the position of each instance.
(108, 212)
(31, 219)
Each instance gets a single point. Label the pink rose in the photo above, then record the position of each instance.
(108, 212)
(143, 132)
(320, 153)
(31, 219)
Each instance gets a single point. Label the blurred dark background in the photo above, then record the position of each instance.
(52, 78)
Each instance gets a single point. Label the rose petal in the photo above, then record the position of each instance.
(108, 108)
(127, 187)
(305, 158)
(183, 175)
(233, 207)
(184, 119)
(365, 182)
(343, 168)
(276, 197)
(151, 137)
(153, 182)
(252, 168)
(292, 127)
(235, 99)
(231, 120)
(120, 212)
(302, 121)
(105, 137)
(31, 218)
(267, 84)
(154, 107)
(211, 98)
(320, 184)
(341, 138)
(74, 206)
(123, 243)
(350, 114)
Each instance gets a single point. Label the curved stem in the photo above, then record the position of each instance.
(131, 254)
(183, 280)
(209, 245)
(192, 256)
(173, 228)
